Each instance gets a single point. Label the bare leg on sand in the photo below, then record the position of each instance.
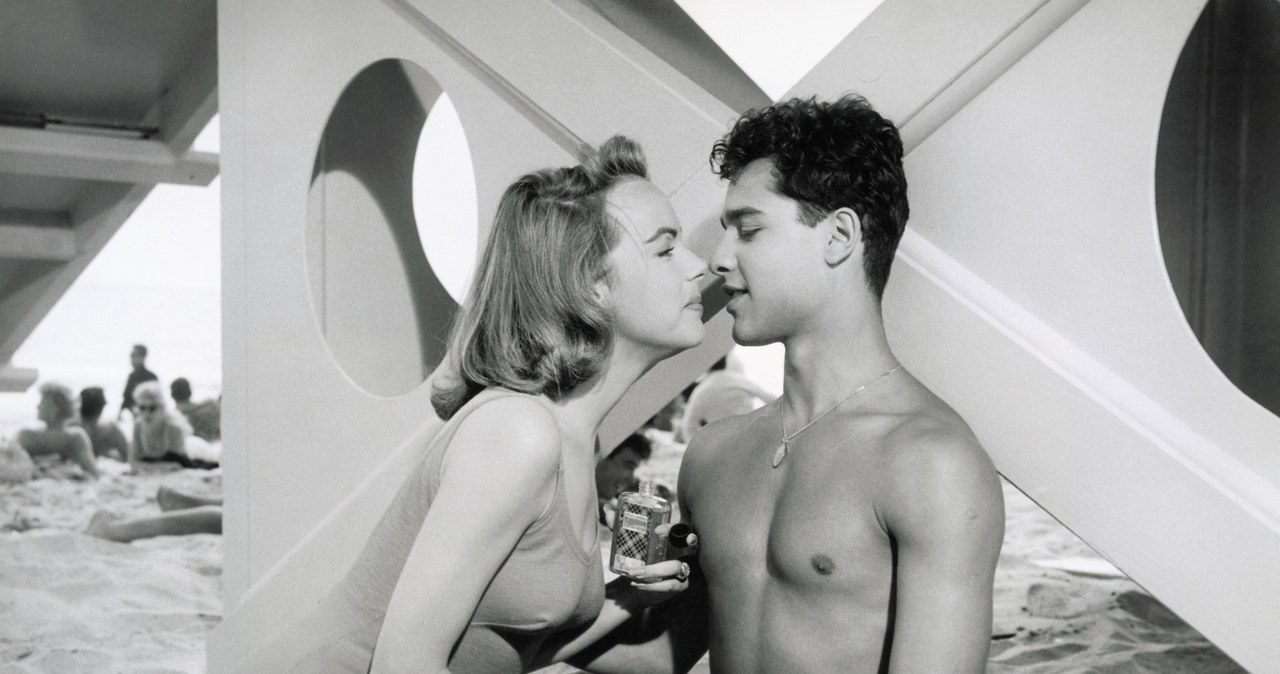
(113, 527)
(183, 514)
(169, 498)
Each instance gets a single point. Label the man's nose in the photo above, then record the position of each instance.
(722, 260)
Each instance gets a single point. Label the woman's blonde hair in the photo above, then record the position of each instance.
(61, 397)
(533, 321)
(150, 389)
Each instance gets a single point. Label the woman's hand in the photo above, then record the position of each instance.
(659, 582)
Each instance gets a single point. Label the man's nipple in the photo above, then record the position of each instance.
(823, 564)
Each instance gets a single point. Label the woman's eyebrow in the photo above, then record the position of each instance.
(663, 231)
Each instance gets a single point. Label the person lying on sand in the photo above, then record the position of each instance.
(205, 417)
(157, 436)
(70, 442)
(182, 514)
(105, 437)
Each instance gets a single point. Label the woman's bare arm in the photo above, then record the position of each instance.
(496, 480)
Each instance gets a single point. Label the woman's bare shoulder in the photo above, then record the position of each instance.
(515, 430)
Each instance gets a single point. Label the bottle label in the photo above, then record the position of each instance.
(631, 544)
(635, 522)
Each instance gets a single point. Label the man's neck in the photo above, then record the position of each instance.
(829, 362)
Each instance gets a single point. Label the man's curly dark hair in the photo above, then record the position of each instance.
(828, 155)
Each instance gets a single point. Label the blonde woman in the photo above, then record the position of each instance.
(159, 435)
(488, 560)
(56, 409)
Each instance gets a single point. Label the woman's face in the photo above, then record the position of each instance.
(48, 411)
(150, 408)
(653, 293)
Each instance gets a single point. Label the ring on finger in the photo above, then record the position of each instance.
(684, 572)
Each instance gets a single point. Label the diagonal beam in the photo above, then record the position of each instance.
(16, 379)
(30, 242)
(58, 154)
(103, 210)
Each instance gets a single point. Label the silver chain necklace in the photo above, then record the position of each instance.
(781, 452)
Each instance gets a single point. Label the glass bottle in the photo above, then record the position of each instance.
(635, 541)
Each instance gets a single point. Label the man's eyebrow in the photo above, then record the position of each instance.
(663, 231)
(736, 215)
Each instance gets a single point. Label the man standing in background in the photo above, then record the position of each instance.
(140, 373)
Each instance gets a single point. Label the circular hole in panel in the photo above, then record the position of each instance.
(383, 312)
(444, 198)
(1218, 190)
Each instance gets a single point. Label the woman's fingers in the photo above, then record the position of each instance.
(676, 569)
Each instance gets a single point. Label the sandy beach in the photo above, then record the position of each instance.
(73, 603)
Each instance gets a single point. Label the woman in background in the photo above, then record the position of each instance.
(56, 409)
(159, 435)
(487, 559)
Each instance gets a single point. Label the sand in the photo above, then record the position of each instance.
(72, 603)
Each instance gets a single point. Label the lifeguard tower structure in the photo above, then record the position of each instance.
(1064, 282)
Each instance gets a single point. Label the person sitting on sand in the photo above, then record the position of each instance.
(157, 436)
(70, 442)
(616, 473)
(205, 417)
(183, 514)
(105, 437)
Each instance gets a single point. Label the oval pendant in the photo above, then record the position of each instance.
(779, 454)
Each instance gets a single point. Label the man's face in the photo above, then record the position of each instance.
(136, 358)
(616, 473)
(770, 260)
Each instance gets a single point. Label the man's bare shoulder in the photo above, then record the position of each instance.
(935, 463)
(715, 444)
(721, 435)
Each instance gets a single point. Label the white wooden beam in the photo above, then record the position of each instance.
(16, 379)
(29, 242)
(102, 211)
(191, 102)
(59, 154)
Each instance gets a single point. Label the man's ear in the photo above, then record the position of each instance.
(846, 236)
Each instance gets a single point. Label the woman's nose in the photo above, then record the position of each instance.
(696, 265)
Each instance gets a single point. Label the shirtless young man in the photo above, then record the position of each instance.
(853, 525)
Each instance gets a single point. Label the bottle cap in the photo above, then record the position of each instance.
(681, 535)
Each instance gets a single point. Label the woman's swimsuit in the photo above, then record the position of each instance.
(549, 583)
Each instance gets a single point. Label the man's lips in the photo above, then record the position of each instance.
(734, 294)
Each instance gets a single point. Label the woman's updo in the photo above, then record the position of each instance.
(532, 321)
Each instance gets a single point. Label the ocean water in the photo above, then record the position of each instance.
(85, 341)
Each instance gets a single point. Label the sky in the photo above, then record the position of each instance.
(158, 280)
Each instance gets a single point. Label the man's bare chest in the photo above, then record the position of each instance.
(800, 523)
